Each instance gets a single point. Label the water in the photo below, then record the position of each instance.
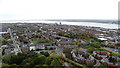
(92, 24)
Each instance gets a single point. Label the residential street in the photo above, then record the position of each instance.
(65, 45)
(112, 49)
(97, 63)
(67, 65)
(0, 58)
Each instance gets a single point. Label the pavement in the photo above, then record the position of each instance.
(67, 65)
(49, 51)
(97, 63)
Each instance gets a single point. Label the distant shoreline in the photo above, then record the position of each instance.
(89, 24)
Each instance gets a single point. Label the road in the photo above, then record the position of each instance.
(112, 49)
(49, 51)
(67, 65)
(97, 63)
(17, 48)
(0, 58)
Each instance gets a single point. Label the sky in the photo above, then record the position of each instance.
(58, 9)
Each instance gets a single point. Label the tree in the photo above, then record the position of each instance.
(38, 66)
(67, 52)
(45, 54)
(78, 43)
(46, 48)
(32, 54)
(94, 44)
(4, 41)
(55, 63)
(112, 60)
(5, 65)
(14, 66)
(16, 59)
(7, 58)
(58, 37)
(48, 61)
(118, 44)
(45, 65)
(40, 59)
(12, 59)
(30, 60)
(27, 65)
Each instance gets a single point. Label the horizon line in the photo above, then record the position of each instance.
(59, 19)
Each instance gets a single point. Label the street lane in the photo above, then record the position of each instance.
(0, 58)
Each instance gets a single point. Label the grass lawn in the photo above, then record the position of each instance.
(88, 47)
(102, 66)
(40, 41)
(114, 54)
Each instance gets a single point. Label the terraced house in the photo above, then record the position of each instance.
(106, 58)
(82, 56)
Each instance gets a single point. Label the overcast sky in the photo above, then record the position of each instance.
(58, 9)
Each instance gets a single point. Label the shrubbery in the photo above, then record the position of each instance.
(41, 41)
(30, 60)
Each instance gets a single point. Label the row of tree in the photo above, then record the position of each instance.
(83, 35)
(30, 60)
